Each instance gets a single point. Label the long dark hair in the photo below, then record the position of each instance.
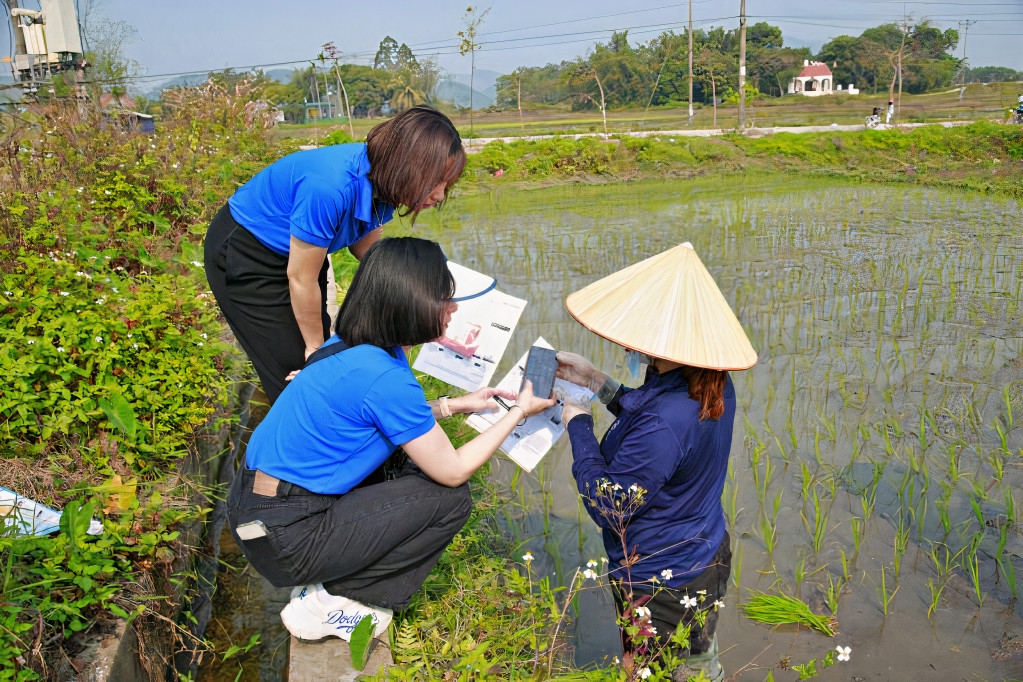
(411, 154)
(398, 296)
(707, 387)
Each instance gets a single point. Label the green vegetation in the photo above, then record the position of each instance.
(982, 156)
(112, 358)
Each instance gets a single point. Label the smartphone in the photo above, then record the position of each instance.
(540, 365)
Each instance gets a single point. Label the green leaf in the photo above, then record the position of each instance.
(118, 410)
(362, 635)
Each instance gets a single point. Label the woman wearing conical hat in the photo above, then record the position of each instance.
(653, 483)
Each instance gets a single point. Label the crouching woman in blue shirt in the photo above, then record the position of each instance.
(309, 507)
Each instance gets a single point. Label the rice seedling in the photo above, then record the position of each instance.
(972, 565)
(856, 525)
(1009, 573)
(901, 543)
(780, 609)
(1007, 401)
(730, 497)
(769, 525)
(886, 597)
(818, 528)
(935, 593)
(833, 591)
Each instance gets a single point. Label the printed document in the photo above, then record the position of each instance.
(468, 353)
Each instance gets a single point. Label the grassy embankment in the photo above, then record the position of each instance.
(978, 102)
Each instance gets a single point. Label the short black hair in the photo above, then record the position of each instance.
(398, 296)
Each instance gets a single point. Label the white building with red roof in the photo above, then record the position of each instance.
(814, 80)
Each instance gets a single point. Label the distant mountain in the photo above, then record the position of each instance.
(483, 80)
(191, 80)
(796, 41)
(451, 90)
(187, 81)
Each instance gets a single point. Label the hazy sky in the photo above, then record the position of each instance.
(205, 35)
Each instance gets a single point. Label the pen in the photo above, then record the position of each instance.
(500, 401)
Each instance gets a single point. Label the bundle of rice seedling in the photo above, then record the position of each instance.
(777, 609)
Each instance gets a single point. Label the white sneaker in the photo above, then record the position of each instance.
(314, 613)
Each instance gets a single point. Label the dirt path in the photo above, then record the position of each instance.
(475, 144)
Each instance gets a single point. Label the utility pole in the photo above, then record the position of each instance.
(742, 66)
(965, 25)
(690, 61)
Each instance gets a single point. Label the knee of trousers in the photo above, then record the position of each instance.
(459, 505)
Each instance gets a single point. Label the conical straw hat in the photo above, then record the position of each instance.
(666, 306)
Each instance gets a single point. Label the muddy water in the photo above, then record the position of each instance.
(888, 325)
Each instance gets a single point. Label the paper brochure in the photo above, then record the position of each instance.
(467, 355)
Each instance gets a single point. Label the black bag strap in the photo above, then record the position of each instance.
(326, 352)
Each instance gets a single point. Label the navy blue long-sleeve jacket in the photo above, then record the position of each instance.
(657, 444)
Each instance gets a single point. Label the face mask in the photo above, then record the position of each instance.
(633, 358)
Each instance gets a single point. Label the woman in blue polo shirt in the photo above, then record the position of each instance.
(266, 250)
(311, 508)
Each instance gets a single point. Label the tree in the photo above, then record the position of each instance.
(406, 94)
(288, 97)
(333, 53)
(509, 89)
(405, 57)
(762, 34)
(111, 69)
(992, 74)
(578, 77)
(387, 54)
(473, 19)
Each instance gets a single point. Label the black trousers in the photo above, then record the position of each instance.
(250, 282)
(667, 611)
(376, 543)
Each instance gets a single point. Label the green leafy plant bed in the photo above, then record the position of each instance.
(113, 362)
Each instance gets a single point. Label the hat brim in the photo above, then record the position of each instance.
(667, 306)
(469, 284)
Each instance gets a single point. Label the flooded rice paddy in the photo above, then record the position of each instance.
(878, 446)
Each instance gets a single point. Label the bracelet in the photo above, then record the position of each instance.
(445, 409)
(523, 420)
(608, 389)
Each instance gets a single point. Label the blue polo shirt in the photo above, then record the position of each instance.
(339, 419)
(321, 196)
